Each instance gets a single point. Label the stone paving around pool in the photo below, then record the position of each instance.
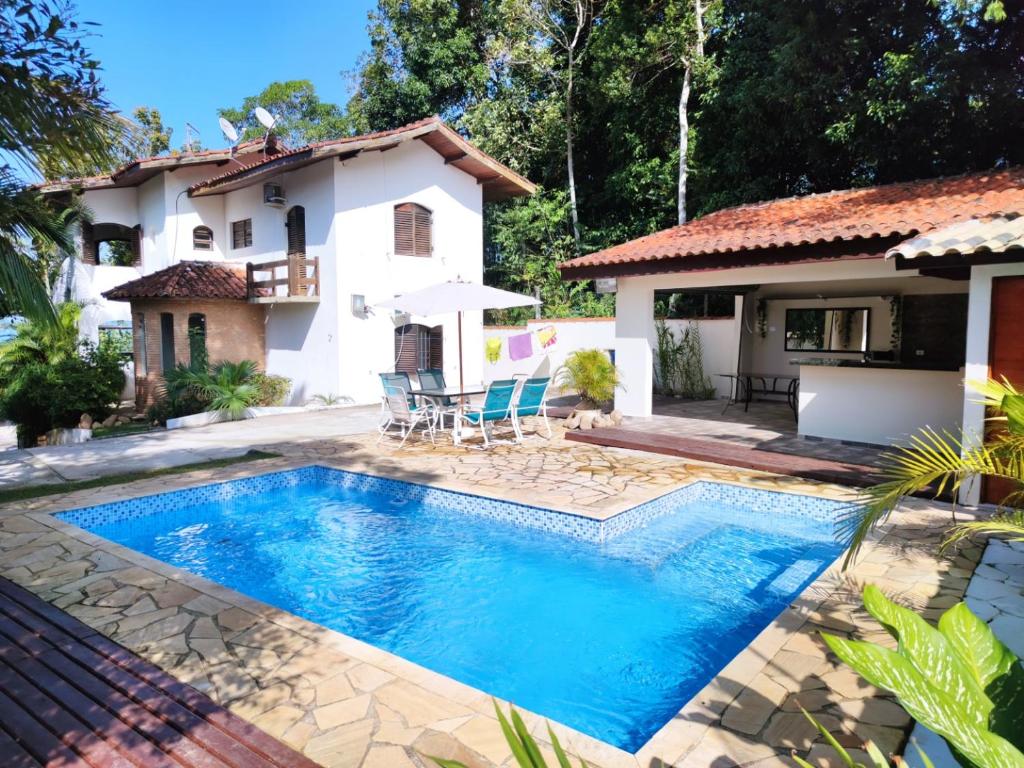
(345, 703)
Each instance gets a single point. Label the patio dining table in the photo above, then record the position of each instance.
(742, 388)
(438, 395)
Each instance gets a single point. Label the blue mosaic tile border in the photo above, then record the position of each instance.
(762, 502)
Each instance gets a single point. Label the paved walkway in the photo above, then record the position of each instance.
(171, 448)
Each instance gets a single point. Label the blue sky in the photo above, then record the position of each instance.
(188, 58)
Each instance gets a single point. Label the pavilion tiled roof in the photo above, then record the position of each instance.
(186, 280)
(903, 209)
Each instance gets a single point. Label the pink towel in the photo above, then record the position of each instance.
(520, 347)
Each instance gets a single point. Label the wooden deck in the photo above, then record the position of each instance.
(71, 697)
(721, 452)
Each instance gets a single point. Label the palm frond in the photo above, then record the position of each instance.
(1009, 525)
(931, 460)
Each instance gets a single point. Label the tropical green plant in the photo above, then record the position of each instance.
(326, 399)
(878, 760)
(45, 395)
(591, 374)
(524, 746)
(680, 368)
(271, 389)
(226, 386)
(958, 679)
(52, 105)
(944, 463)
(35, 341)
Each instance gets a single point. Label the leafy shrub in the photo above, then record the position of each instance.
(44, 396)
(590, 373)
(229, 387)
(957, 680)
(273, 390)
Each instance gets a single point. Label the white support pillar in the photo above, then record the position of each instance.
(634, 336)
(979, 318)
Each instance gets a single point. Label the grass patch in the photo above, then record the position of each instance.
(36, 491)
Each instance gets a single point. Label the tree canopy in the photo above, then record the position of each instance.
(786, 98)
(302, 117)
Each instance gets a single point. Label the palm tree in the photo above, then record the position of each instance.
(38, 342)
(51, 105)
(943, 464)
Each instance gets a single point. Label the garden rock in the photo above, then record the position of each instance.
(85, 422)
(110, 421)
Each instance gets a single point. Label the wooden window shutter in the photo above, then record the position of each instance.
(89, 253)
(296, 224)
(412, 230)
(407, 348)
(202, 239)
(437, 347)
(136, 243)
(421, 231)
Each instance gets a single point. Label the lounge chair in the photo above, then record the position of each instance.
(400, 414)
(433, 378)
(531, 402)
(497, 406)
(398, 379)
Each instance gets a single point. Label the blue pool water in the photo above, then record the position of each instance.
(610, 637)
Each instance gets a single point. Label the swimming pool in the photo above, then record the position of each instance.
(608, 627)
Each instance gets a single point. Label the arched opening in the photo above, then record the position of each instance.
(413, 225)
(418, 347)
(202, 239)
(296, 225)
(111, 244)
(198, 357)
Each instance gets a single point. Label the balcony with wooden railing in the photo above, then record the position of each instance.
(295, 279)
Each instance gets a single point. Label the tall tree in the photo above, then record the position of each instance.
(302, 117)
(50, 101)
(426, 57)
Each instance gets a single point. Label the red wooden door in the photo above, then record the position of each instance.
(1006, 352)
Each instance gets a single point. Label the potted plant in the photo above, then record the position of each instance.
(593, 376)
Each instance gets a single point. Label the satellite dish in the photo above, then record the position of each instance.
(229, 130)
(265, 118)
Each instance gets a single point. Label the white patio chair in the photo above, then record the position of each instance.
(400, 414)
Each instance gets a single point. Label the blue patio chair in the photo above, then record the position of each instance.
(497, 406)
(433, 378)
(400, 414)
(531, 402)
(398, 379)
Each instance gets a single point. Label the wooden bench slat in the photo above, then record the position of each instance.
(46, 748)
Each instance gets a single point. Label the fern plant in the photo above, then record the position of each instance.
(591, 374)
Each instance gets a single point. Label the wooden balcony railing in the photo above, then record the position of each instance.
(292, 279)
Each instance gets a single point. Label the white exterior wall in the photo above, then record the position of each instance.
(303, 340)
(153, 219)
(113, 206)
(877, 405)
(718, 339)
(184, 213)
(979, 321)
(367, 188)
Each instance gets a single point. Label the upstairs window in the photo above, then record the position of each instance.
(241, 233)
(111, 244)
(412, 230)
(202, 239)
(296, 224)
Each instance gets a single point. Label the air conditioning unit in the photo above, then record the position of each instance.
(273, 194)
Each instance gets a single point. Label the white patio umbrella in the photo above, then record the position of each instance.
(458, 297)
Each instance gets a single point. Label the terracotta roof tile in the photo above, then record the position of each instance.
(903, 209)
(186, 280)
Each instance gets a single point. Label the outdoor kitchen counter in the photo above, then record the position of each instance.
(877, 403)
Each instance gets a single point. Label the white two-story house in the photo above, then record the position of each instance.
(277, 255)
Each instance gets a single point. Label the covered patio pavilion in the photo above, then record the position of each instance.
(880, 341)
